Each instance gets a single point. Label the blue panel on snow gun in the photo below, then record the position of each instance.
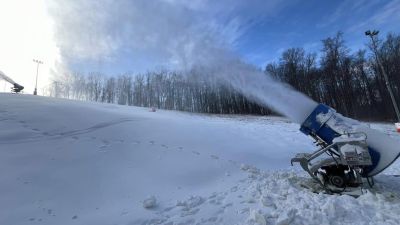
(317, 127)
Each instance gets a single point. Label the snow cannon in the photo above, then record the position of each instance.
(17, 88)
(349, 154)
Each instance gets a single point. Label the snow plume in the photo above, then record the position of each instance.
(164, 32)
(6, 78)
(259, 87)
(175, 34)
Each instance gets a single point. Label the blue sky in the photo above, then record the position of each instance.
(306, 23)
(136, 36)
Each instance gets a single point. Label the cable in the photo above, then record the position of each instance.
(372, 182)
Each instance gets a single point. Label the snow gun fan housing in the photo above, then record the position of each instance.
(344, 160)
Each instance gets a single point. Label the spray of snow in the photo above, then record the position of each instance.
(6, 78)
(145, 29)
(275, 95)
(259, 87)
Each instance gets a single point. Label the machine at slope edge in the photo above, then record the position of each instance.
(354, 153)
(16, 88)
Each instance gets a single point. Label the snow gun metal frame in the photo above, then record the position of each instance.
(348, 158)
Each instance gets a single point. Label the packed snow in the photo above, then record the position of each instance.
(70, 162)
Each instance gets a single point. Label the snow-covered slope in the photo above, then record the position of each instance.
(69, 162)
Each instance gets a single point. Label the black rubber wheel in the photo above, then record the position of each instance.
(337, 181)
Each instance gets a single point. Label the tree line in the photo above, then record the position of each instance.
(350, 82)
(189, 91)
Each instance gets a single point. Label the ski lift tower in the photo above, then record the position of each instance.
(372, 35)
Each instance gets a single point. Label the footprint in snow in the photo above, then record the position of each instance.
(103, 146)
(214, 156)
(196, 153)
(213, 195)
(211, 219)
(227, 205)
(233, 162)
(118, 140)
(244, 210)
(169, 209)
(103, 150)
(190, 212)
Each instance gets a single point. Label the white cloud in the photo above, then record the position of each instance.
(166, 32)
(348, 12)
(390, 13)
(357, 16)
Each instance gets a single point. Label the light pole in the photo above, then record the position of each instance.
(37, 74)
(372, 35)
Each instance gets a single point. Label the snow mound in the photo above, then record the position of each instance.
(150, 202)
(278, 197)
